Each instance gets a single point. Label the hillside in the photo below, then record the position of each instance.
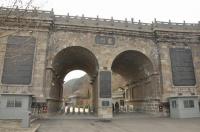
(79, 86)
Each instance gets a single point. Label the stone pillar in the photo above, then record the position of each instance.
(48, 82)
(54, 105)
(104, 94)
(53, 102)
(95, 86)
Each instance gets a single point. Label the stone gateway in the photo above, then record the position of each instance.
(156, 63)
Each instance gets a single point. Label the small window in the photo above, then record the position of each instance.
(14, 103)
(18, 103)
(188, 103)
(174, 104)
(11, 103)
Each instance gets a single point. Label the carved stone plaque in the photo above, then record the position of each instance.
(105, 84)
(105, 103)
(18, 61)
(182, 67)
(104, 40)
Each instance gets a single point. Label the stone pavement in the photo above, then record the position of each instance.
(94, 117)
(134, 122)
(14, 126)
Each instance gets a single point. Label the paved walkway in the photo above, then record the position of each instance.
(122, 123)
(15, 126)
(94, 117)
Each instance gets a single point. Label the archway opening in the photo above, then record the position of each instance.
(75, 74)
(77, 92)
(134, 84)
(67, 60)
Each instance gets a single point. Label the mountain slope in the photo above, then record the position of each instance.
(79, 86)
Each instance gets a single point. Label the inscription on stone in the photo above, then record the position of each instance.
(105, 84)
(105, 103)
(105, 40)
(18, 61)
(182, 67)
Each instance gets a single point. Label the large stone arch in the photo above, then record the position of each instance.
(130, 58)
(147, 48)
(137, 74)
(66, 60)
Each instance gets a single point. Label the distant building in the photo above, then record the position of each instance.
(78, 100)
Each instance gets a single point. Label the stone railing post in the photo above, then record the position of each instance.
(170, 24)
(139, 24)
(126, 22)
(155, 23)
(82, 18)
(97, 20)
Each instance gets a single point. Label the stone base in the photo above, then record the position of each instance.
(105, 113)
(105, 108)
(146, 106)
(53, 105)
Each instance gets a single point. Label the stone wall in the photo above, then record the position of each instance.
(54, 33)
(37, 84)
(169, 89)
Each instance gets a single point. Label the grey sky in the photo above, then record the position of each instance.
(146, 10)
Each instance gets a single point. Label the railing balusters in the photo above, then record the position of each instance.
(100, 21)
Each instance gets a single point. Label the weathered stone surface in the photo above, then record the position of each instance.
(141, 51)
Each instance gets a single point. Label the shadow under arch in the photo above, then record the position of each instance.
(130, 63)
(135, 72)
(69, 59)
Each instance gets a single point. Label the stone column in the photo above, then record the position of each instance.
(54, 102)
(104, 94)
(48, 81)
(95, 95)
